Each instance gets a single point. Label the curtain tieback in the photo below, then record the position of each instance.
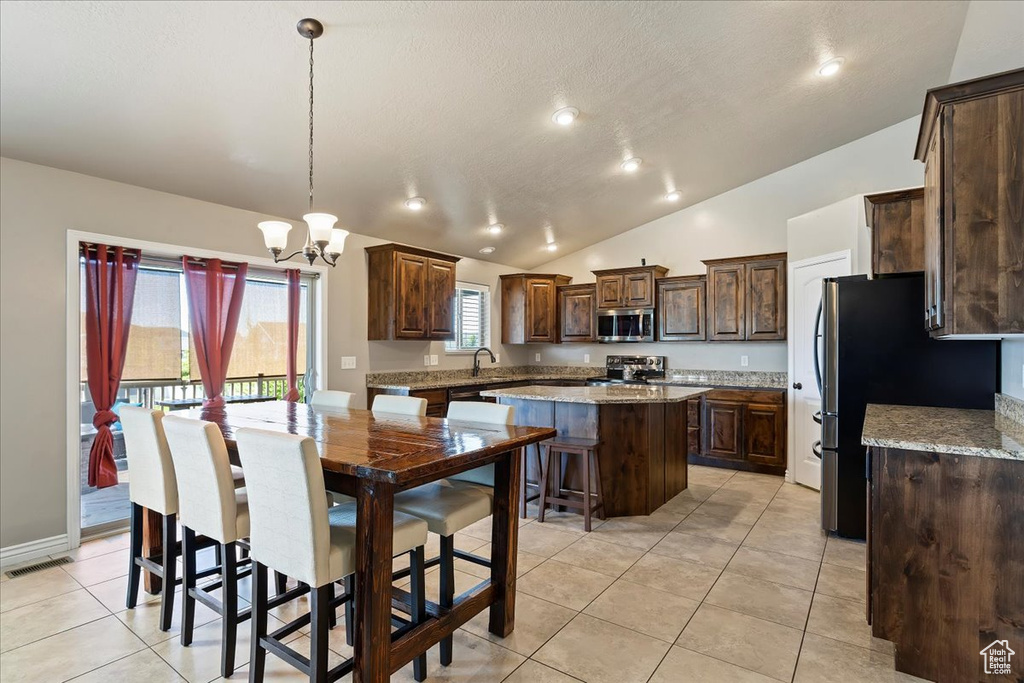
(104, 418)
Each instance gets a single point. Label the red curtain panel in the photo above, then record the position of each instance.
(215, 289)
(110, 274)
(293, 334)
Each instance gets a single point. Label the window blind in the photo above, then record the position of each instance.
(472, 317)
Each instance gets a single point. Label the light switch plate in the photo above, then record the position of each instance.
(348, 362)
(744, 361)
(536, 357)
(433, 359)
(426, 360)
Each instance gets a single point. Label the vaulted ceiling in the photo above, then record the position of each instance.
(452, 101)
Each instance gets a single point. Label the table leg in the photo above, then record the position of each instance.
(504, 542)
(152, 544)
(375, 503)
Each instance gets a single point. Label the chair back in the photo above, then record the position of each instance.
(399, 405)
(288, 525)
(206, 489)
(151, 480)
(329, 398)
(480, 411)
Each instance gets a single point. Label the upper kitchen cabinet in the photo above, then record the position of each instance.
(411, 292)
(682, 308)
(577, 306)
(747, 298)
(896, 220)
(972, 144)
(529, 307)
(627, 287)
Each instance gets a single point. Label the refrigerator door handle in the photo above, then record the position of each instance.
(817, 336)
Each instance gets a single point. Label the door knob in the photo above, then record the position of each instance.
(798, 385)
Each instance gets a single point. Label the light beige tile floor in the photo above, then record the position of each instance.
(732, 580)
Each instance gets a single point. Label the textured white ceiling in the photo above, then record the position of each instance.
(453, 101)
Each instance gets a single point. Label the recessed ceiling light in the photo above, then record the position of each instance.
(565, 116)
(673, 196)
(495, 229)
(487, 250)
(631, 165)
(552, 247)
(415, 203)
(831, 67)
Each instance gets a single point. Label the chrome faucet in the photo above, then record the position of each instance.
(476, 359)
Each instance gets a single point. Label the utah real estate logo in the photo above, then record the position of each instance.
(997, 656)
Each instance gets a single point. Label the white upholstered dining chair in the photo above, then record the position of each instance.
(211, 506)
(293, 531)
(399, 405)
(330, 398)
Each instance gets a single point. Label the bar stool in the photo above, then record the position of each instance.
(328, 398)
(153, 486)
(211, 506)
(295, 533)
(399, 405)
(587, 450)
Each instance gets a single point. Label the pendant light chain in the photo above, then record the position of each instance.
(311, 125)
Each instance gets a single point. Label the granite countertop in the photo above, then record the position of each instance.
(984, 433)
(444, 383)
(749, 379)
(631, 393)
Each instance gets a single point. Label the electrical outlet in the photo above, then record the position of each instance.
(497, 358)
(426, 361)
(744, 361)
(348, 362)
(433, 359)
(536, 357)
(586, 358)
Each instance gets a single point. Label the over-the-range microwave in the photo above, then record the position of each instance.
(625, 325)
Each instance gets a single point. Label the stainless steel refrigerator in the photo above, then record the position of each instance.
(875, 349)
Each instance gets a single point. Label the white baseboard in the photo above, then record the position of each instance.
(33, 550)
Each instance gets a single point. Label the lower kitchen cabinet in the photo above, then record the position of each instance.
(742, 429)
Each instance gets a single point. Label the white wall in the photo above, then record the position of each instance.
(832, 228)
(37, 206)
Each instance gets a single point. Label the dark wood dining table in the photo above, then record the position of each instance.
(372, 457)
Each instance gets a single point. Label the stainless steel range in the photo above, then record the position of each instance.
(630, 370)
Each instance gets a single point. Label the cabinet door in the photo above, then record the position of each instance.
(609, 291)
(410, 296)
(725, 429)
(682, 310)
(726, 297)
(439, 299)
(541, 314)
(577, 308)
(764, 434)
(766, 300)
(933, 271)
(897, 236)
(638, 290)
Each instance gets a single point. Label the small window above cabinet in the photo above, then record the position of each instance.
(529, 307)
(747, 298)
(410, 293)
(896, 221)
(627, 287)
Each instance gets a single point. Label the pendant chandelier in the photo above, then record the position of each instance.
(322, 238)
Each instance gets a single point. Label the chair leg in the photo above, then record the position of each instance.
(597, 485)
(134, 570)
(188, 602)
(447, 590)
(332, 615)
(257, 655)
(545, 466)
(320, 607)
(170, 567)
(280, 582)
(522, 481)
(229, 619)
(419, 605)
(350, 591)
(586, 491)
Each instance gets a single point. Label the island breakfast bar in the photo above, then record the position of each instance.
(642, 430)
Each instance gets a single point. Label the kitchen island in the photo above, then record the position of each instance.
(642, 429)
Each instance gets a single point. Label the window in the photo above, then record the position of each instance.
(472, 318)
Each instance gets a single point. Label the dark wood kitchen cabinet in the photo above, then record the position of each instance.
(411, 293)
(746, 298)
(577, 306)
(972, 144)
(529, 307)
(896, 220)
(682, 308)
(742, 429)
(627, 287)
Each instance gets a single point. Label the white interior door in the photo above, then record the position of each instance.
(805, 294)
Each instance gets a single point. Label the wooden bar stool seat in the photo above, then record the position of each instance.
(590, 501)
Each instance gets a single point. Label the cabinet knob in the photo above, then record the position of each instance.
(798, 385)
